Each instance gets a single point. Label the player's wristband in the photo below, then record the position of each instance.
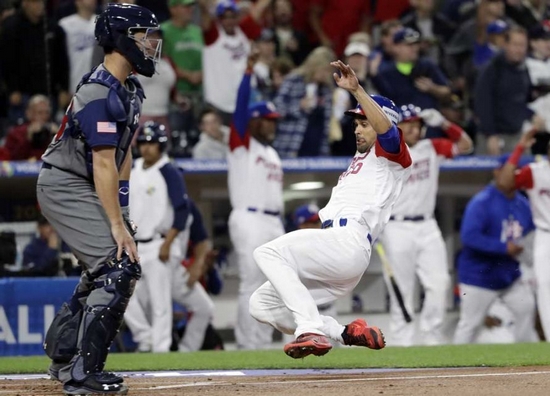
(124, 192)
(516, 155)
(454, 132)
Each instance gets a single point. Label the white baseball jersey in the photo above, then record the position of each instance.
(224, 62)
(254, 176)
(420, 191)
(150, 205)
(535, 178)
(80, 45)
(368, 195)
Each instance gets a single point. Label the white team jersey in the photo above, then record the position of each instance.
(539, 195)
(255, 177)
(418, 197)
(224, 63)
(150, 205)
(80, 41)
(158, 89)
(368, 189)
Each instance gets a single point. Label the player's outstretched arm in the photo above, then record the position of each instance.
(348, 81)
(507, 177)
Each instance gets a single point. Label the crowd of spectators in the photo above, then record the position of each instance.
(483, 63)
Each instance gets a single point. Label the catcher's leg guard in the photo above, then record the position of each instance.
(60, 343)
(103, 316)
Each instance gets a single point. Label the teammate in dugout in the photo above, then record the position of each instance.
(534, 178)
(158, 202)
(412, 239)
(255, 183)
(307, 268)
(493, 226)
(83, 191)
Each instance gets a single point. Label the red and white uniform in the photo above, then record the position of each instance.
(415, 247)
(255, 184)
(311, 267)
(535, 179)
(224, 62)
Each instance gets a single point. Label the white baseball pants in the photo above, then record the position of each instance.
(149, 312)
(541, 264)
(416, 249)
(197, 301)
(307, 268)
(248, 230)
(476, 301)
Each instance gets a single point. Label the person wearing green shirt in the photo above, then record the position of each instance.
(183, 44)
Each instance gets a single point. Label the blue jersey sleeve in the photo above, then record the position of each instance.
(474, 223)
(197, 232)
(239, 127)
(97, 125)
(391, 140)
(177, 193)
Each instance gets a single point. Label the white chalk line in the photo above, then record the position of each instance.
(318, 380)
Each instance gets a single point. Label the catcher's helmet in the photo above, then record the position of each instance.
(409, 113)
(153, 132)
(386, 104)
(116, 27)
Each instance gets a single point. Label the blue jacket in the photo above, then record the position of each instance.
(490, 221)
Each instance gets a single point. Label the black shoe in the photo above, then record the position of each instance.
(95, 384)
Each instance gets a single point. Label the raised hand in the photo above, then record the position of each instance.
(346, 79)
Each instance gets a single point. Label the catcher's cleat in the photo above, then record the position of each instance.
(308, 344)
(360, 334)
(95, 384)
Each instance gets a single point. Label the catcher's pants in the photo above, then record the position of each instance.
(417, 249)
(149, 313)
(248, 230)
(476, 301)
(71, 205)
(307, 268)
(197, 302)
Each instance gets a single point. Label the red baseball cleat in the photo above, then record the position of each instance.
(358, 333)
(308, 344)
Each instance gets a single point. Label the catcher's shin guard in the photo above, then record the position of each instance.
(60, 343)
(100, 323)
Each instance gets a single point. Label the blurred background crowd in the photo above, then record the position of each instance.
(482, 63)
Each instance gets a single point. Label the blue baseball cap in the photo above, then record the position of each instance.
(407, 36)
(306, 214)
(226, 5)
(387, 105)
(263, 110)
(497, 27)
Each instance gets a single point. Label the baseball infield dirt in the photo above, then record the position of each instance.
(527, 381)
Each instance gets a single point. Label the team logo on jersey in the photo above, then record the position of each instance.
(511, 230)
(150, 190)
(544, 191)
(355, 165)
(420, 171)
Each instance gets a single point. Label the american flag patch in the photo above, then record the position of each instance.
(106, 127)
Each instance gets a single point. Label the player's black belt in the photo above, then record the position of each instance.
(144, 240)
(342, 222)
(409, 218)
(267, 212)
(45, 165)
